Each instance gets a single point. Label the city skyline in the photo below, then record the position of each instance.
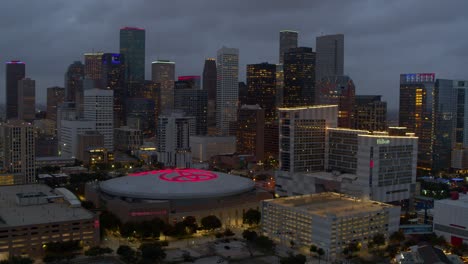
(379, 45)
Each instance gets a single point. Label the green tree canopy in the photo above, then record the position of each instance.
(152, 251)
(293, 259)
(252, 217)
(210, 222)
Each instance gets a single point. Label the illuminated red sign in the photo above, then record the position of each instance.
(180, 175)
(96, 223)
(189, 78)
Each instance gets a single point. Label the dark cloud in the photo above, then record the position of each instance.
(382, 38)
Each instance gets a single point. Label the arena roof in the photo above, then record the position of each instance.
(177, 184)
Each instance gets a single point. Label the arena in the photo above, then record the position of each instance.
(173, 194)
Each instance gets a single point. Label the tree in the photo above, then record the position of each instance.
(293, 259)
(249, 235)
(378, 239)
(152, 251)
(17, 260)
(392, 250)
(313, 248)
(292, 243)
(127, 254)
(128, 229)
(228, 232)
(397, 237)
(265, 244)
(320, 253)
(210, 222)
(98, 251)
(190, 223)
(109, 221)
(252, 217)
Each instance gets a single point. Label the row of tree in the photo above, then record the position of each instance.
(147, 253)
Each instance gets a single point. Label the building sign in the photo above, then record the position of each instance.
(383, 141)
(180, 175)
(420, 77)
(148, 213)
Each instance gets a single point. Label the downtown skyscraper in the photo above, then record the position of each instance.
(93, 68)
(288, 40)
(15, 71)
(113, 78)
(227, 88)
(27, 99)
(209, 84)
(330, 56)
(163, 72)
(74, 82)
(299, 77)
(132, 46)
(261, 88)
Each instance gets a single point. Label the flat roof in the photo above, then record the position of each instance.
(330, 203)
(12, 214)
(461, 202)
(295, 108)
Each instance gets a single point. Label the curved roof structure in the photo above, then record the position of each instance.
(177, 184)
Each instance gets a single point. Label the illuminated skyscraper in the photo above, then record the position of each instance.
(338, 90)
(93, 68)
(18, 143)
(163, 72)
(261, 87)
(288, 40)
(209, 84)
(299, 77)
(227, 88)
(99, 108)
(330, 56)
(132, 46)
(15, 71)
(370, 113)
(194, 103)
(250, 131)
(113, 78)
(27, 99)
(417, 113)
(55, 97)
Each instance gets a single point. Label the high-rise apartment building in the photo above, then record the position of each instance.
(193, 103)
(99, 108)
(132, 46)
(15, 71)
(250, 131)
(93, 68)
(299, 77)
(26, 99)
(55, 97)
(330, 56)
(113, 78)
(173, 139)
(288, 40)
(370, 113)
(338, 90)
(227, 88)
(18, 143)
(209, 84)
(163, 72)
(261, 88)
(417, 113)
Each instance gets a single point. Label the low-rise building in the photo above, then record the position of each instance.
(330, 221)
(126, 138)
(450, 218)
(33, 215)
(206, 147)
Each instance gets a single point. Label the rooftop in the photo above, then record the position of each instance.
(462, 201)
(330, 203)
(306, 107)
(13, 214)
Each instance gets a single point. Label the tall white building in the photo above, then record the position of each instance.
(99, 108)
(227, 88)
(17, 151)
(173, 139)
(70, 129)
(163, 72)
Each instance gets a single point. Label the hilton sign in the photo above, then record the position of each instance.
(383, 141)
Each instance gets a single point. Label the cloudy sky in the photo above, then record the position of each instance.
(382, 38)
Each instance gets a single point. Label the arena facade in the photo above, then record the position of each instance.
(173, 194)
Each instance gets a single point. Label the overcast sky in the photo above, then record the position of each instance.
(382, 38)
